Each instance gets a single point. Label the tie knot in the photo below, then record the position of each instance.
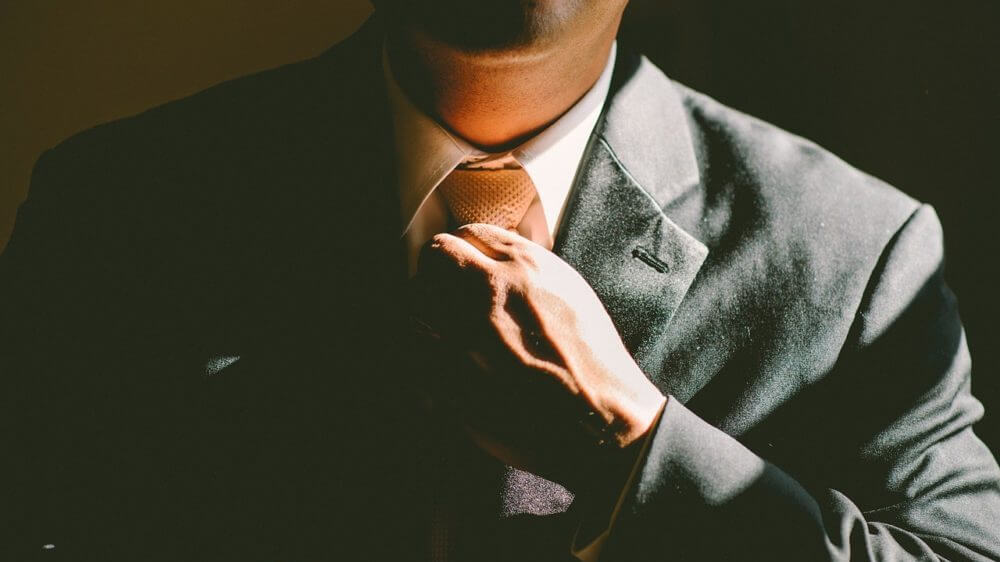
(497, 197)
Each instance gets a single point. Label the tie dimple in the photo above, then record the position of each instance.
(497, 197)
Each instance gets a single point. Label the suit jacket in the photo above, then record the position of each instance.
(201, 353)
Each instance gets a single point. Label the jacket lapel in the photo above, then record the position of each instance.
(614, 232)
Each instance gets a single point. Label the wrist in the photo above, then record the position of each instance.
(616, 463)
(633, 413)
(644, 409)
(618, 443)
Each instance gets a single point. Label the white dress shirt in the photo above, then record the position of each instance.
(426, 153)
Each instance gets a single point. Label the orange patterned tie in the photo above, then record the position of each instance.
(498, 197)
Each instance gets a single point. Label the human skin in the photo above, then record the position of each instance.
(546, 366)
(498, 71)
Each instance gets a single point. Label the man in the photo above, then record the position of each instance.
(476, 284)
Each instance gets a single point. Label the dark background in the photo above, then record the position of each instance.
(905, 90)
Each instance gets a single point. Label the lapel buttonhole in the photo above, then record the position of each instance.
(649, 259)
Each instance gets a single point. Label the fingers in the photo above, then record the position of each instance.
(477, 245)
(491, 240)
(461, 251)
(459, 277)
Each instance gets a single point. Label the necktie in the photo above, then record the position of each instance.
(473, 195)
(498, 197)
(470, 491)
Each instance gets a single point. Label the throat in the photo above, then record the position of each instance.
(495, 103)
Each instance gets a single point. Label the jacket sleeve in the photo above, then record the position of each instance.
(913, 482)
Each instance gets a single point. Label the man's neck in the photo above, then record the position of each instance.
(497, 100)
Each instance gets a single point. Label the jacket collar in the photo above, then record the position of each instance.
(646, 126)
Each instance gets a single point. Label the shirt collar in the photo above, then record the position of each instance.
(426, 152)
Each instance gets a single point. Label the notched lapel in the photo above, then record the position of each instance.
(637, 260)
(614, 232)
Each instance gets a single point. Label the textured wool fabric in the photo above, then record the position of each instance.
(497, 197)
(441, 532)
(794, 309)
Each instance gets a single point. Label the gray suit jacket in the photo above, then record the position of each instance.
(199, 360)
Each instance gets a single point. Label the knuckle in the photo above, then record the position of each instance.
(526, 255)
(523, 256)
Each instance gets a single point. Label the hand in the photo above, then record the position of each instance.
(543, 382)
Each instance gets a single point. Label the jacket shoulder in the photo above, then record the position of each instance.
(805, 233)
(237, 123)
(225, 151)
(788, 188)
